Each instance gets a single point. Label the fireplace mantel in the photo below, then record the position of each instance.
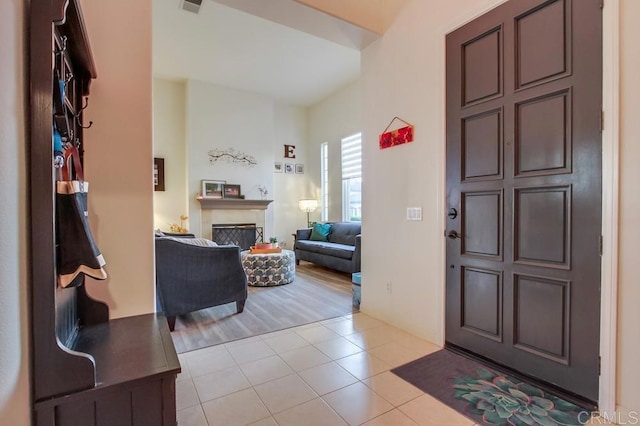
(232, 204)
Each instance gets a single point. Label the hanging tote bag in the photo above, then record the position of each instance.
(78, 253)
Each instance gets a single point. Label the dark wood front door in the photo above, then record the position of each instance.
(524, 189)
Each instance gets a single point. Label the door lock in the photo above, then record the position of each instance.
(452, 235)
(453, 213)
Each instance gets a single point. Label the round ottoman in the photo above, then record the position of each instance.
(269, 269)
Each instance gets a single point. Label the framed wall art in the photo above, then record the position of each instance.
(231, 191)
(158, 174)
(212, 188)
(288, 167)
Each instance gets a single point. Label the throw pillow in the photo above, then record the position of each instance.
(320, 232)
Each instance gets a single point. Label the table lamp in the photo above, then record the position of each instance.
(308, 206)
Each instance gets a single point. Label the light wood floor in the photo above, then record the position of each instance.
(316, 294)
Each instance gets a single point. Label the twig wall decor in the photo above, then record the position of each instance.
(230, 155)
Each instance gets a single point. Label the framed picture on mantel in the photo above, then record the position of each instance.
(231, 191)
(212, 188)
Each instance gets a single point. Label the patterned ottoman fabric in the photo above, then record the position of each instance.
(269, 269)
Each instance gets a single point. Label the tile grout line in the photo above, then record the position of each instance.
(310, 344)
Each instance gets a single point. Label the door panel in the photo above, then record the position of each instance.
(542, 315)
(548, 25)
(482, 222)
(482, 146)
(542, 218)
(524, 171)
(482, 58)
(482, 301)
(543, 138)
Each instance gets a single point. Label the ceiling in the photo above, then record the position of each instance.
(290, 52)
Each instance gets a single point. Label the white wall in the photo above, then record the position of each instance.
(169, 143)
(291, 127)
(335, 118)
(194, 117)
(629, 267)
(221, 117)
(119, 155)
(14, 333)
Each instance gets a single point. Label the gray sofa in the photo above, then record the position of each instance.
(191, 277)
(341, 252)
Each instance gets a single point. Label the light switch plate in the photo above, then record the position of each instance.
(414, 213)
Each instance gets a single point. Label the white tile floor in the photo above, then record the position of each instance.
(334, 372)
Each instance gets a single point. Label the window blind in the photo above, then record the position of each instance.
(352, 157)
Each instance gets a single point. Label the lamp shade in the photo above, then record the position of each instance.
(308, 205)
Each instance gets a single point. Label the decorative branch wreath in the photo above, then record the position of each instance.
(230, 155)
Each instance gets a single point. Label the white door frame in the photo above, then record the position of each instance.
(610, 204)
(610, 197)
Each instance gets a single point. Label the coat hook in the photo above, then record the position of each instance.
(80, 123)
(86, 104)
(77, 116)
(63, 47)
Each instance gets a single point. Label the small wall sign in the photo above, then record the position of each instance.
(396, 137)
(289, 151)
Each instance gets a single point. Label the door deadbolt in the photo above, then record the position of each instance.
(453, 213)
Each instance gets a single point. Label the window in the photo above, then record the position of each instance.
(324, 182)
(352, 178)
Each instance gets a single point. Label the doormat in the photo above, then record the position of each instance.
(487, 396)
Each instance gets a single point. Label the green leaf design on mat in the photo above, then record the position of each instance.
(502, 400)
(486, 374)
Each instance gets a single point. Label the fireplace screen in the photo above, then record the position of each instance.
(241, 234)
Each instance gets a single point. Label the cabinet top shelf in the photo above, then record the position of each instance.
(232, 204)
(74, 29)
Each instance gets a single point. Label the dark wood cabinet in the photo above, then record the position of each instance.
(135, 372)
(86, 369)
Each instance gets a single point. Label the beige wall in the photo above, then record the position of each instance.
(119, 153)
(403, 75)
(629, 267)
(14, 333)
(169, 143)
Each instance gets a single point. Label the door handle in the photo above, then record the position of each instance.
(452, 235)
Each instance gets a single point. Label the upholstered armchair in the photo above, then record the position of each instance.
(190, 277)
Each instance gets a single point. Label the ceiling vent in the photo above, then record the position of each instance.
(191, 5)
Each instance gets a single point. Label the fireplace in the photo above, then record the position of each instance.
(241, 234)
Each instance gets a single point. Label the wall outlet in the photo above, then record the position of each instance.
(414, 213)
(389, 287)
